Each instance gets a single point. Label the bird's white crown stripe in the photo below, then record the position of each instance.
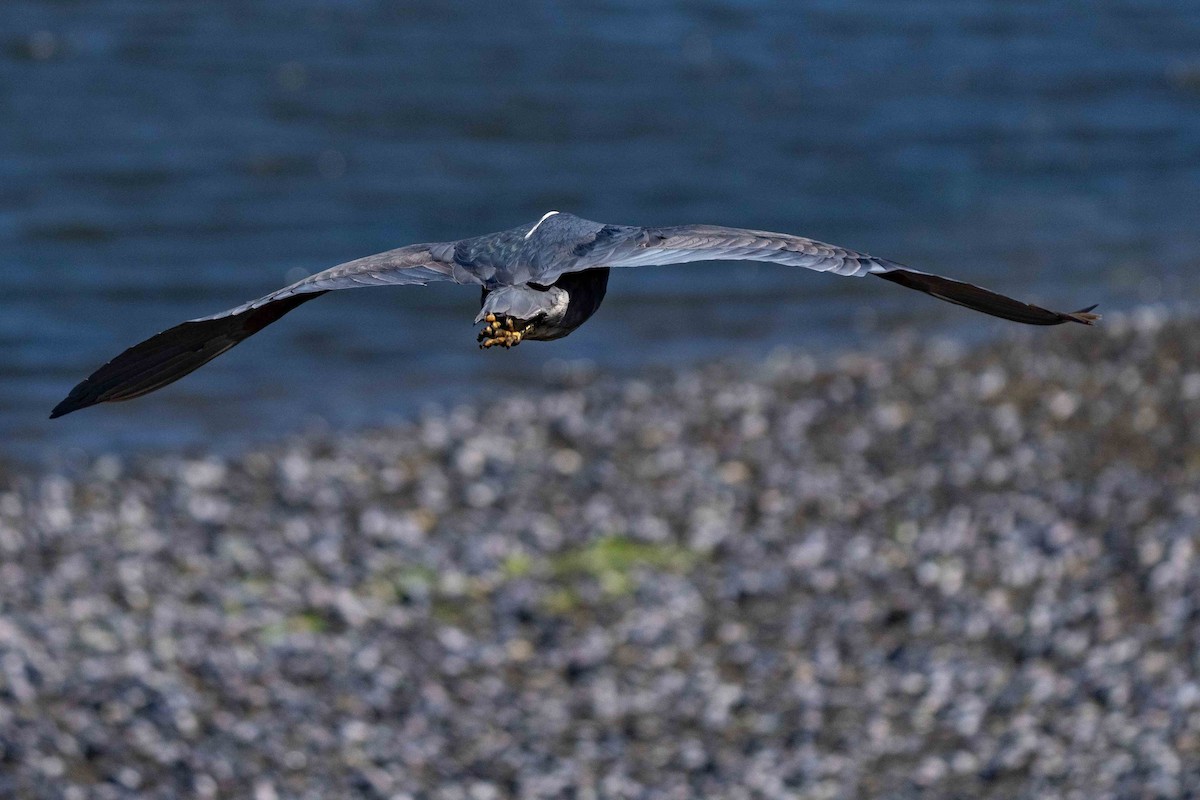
(545, 217)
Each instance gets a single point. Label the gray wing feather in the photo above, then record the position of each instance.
(621, 246)
(641, 247)
(416, 264)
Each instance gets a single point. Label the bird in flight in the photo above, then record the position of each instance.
(540, 281)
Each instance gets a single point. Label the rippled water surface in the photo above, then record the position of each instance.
(164, 160)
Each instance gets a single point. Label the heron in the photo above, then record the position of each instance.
(539, 281)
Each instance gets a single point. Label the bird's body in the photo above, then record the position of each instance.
(538, 281)
(551, 312)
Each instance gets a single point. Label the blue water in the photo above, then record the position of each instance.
(164, 160)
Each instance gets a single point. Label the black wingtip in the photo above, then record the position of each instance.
(166, 357)
(979, 299)
(74, 401)
(66, 407)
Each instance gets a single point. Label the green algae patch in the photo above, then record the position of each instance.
(612, 560)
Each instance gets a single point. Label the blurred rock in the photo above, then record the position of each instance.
(925, 571)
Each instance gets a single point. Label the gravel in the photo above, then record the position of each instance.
(929, 571)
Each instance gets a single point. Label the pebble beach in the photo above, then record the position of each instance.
(931, 570)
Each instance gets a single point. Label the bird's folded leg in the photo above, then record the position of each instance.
(502, 331)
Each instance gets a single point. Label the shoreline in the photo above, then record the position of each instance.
(936, 570)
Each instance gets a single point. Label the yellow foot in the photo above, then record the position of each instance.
(502, 331)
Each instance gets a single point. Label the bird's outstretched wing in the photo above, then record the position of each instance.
(168, 356)
(624, 246)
